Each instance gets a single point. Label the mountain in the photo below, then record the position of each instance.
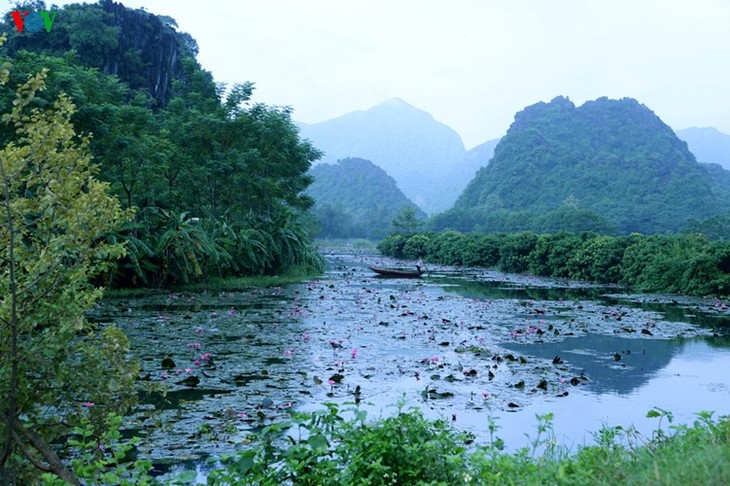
(709, 145)
(142, 49)
(423, 155)
(356, 198)
(479, 157)
(606, 161)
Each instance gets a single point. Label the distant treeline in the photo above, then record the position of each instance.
(689, 263)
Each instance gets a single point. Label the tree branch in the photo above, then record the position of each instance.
(28, 455)
(55, 465)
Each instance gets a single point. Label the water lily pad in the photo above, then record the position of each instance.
(191, 381)
(439, 395)
(337, 378)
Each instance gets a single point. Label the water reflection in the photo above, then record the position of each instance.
(693, 380)
(614, 364)
(501, 289)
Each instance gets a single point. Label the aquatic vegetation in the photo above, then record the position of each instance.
(410, 337)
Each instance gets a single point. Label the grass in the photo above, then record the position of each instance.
(324, 448)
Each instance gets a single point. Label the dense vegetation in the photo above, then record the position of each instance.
(116, 144)
(216, 180)
(356, 199)
(54, 215)
(609, 163)
(688, 263)
(325, 448)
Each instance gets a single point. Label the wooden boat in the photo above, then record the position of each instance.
(388, 272)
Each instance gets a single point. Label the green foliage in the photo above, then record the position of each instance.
(609, 165)
(357, 199)
(687, 263)
(447, 246)
(486, 220)
(514, 255)
(393, 245)
(324, 448)
(102, 459)
(54, 215)
(217, 181)
(415, 247)
(406, 221)
(715, 228)
(481, 250)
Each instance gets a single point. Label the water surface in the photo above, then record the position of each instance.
(461, 344)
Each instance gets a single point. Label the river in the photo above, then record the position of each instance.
(462, 344)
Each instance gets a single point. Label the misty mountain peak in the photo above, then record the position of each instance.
(398, 108)
(419, 152)
(396, 103)
(708, 144)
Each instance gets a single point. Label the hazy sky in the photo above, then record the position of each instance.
(470, 63)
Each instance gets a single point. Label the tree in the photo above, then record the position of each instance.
(406, 222)
(55, 365)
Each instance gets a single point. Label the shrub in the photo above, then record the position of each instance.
(415, 247)
(392, 246)
(323, 448)
(514, 254)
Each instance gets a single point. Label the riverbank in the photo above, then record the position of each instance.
(292, 276)
(406, 448)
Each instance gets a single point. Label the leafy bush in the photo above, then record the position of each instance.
(514, 254)
(686, 263)
(598, 259)
(415, 247)
(393, 245)
(323, 448)
(481, 250)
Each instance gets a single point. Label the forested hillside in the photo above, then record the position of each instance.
(217, 181)
(356, 198)
(609, 164)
